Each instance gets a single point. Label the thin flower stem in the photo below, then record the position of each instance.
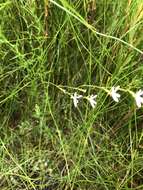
(127, 90)
(98, 87)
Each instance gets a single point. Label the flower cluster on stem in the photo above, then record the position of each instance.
(113, 92)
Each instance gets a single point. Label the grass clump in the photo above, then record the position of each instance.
(49, 50)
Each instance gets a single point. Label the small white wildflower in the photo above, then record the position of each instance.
(92, 101)
(114, 93)
(45, 164)
(76, 98)
(138, 97)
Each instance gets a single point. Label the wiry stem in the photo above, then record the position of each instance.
(46, 18)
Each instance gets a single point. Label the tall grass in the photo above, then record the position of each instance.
(49, 50)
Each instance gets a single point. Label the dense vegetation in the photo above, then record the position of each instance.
(48, 51)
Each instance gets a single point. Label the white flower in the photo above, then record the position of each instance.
(138, 97)
(114, 93)
(76, 98)
(92, 101)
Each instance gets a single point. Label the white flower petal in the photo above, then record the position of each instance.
(76, 98)
(138, 98)
(93, 103)
(92, 100)
(114, 93)
(138, 103)
(140, 92)
(115, 98)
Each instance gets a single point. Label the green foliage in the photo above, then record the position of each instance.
(49, 50)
